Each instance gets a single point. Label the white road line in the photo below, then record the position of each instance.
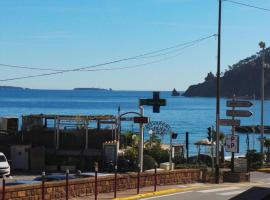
(181, 186)
(218, 189)
(167, 195)
(231, 193)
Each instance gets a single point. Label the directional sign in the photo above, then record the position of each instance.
(156, 102)
(238, 113)
(229, 122)
(239, 103)
(141, 120)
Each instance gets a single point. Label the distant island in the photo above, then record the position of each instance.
(12, 88)
(93, 89)
(241, 79)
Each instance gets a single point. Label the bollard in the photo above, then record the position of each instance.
(115, 180)
(43, 185)
(67, 177)
(96, 171)
(4, 187)
(155, 184)
(138, 179)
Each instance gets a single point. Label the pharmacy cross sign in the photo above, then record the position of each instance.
(156, 102)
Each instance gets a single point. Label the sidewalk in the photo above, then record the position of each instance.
(131, 192)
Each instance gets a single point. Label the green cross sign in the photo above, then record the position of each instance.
(156, 102)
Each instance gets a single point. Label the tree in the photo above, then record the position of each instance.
(210, 76)
(267, 145)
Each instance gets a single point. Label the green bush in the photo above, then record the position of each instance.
(159, 154)
(148, 162)
(254, 159)
(190, 166)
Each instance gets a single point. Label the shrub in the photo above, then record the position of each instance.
(148, 162)
(255, 159)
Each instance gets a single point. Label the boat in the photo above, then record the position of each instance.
(175, 93)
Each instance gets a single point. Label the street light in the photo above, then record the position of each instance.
(262, 46)
(150, 132)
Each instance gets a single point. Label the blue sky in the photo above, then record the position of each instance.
(69, 34)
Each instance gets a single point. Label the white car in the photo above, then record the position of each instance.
(4, 165)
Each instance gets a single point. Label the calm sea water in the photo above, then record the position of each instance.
(181, 113)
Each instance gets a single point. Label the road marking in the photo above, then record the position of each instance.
(158, 193)
(167, 195)
(231, 193)
(181, 186)
(218, 189)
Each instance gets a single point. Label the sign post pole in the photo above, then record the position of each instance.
(141, 141)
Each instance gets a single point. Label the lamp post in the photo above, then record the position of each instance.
(262, 46)
(150, 132)
(218, 91)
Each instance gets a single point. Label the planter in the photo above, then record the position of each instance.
(236, 177)
(69, 167)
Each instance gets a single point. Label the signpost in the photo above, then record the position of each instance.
(229, 122)
(232, 141)
(156, 102)
(238, 113)
(239, 104)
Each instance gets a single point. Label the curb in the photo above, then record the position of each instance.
(267, 170)
(151, 194)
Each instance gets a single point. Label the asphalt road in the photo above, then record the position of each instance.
(223, 191)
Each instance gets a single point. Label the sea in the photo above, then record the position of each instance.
(183, 114)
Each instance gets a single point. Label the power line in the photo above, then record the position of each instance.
(141, 56)
(108, 63)
(248, 5)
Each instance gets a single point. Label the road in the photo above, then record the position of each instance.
(223, 191)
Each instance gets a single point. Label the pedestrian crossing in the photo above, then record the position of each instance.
(224, 191)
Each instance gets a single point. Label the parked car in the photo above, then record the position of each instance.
(4, 165)
(20, 182)
(54, 177)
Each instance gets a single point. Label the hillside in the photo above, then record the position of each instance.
(242, 78)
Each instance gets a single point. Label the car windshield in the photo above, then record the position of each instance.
(2, 158)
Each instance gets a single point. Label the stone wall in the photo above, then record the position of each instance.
(85, 186)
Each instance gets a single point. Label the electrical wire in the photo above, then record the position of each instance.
(108, 63)
(248, 5)
(141, 56)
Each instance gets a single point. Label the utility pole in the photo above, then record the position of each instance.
(218, 92)
(262, 46)
(141, 143)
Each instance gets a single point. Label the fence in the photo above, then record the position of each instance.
(92, 186)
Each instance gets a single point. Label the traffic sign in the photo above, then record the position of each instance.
(238, 113)
(141, 120)
(156, 102)
(239, 104)
(229, 122)
(232, 143)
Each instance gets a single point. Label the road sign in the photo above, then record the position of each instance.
(229, 122)
(232, 143)
(127, 118)
(239, 104)
(238, 113)
(156, 102)
(141, 120)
